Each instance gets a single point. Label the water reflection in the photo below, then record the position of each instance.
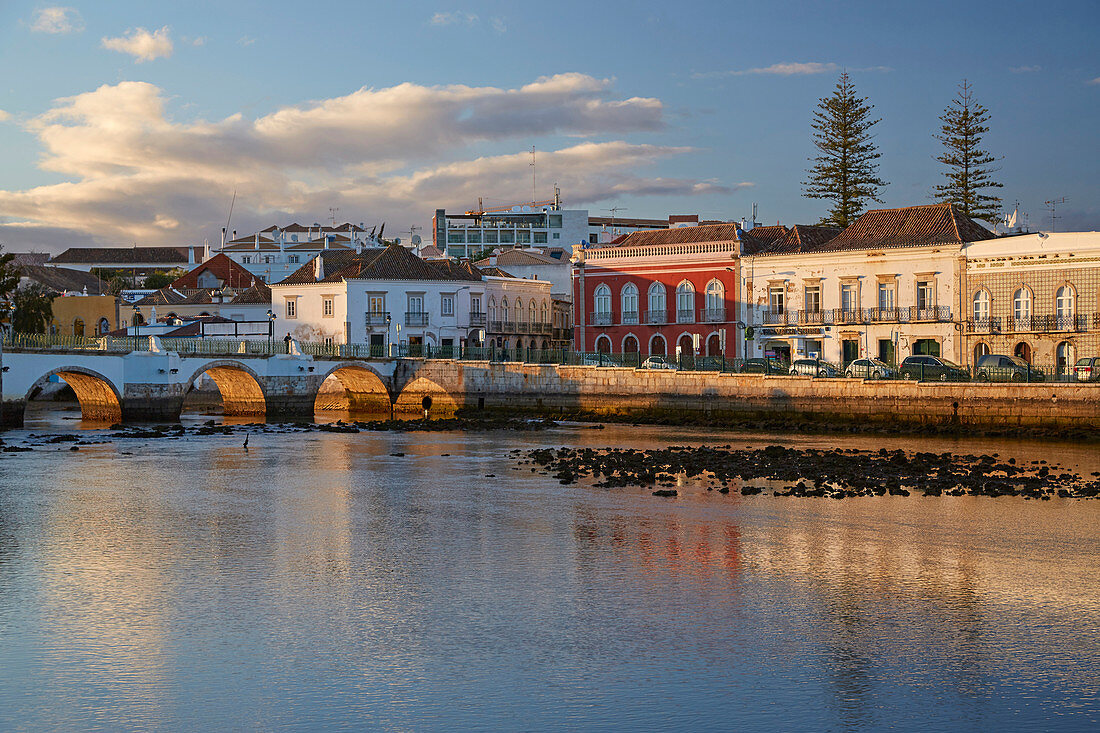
(391, 580)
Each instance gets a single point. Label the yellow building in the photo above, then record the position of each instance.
(85, 315)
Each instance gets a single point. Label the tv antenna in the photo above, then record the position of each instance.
(228, 218)
(332, 213)
(1053, 206)
(614, 211)
(534, 197)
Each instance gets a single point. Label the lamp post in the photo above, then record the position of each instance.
(389, 341)
(137, 325)
(271, 330)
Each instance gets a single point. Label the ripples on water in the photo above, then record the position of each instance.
(315, 581)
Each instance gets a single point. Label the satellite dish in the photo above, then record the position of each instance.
(397, 240)
(417, 240)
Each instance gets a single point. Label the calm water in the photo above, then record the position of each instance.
(317, 582)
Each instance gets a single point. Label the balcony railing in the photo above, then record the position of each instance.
(523, 327)
(601, 318)
(848, 316)
(477, 319)
(685, 316)
(934, 313)
(416, 318)
(509, 327)
(630, 318)
(378, 318)
(815, 317)
(885, 315)
(563, 334)
(714, 315)
(983, 325)
(656, 317)
(496, 326)
(542, 327)
(1051, 323)
(775, 317)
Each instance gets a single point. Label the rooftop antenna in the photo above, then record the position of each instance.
(332, 213)
(615, 210)
(534, 197)
(1053, 206)
(228, 219)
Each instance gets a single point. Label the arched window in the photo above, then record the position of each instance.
(658, 310)
(657, 346)
(603, 345)
(1063, 306)
(1064, 358)
(492, 308)
(504, 309)
(544, 313)
(685, 302)
(629, 298)
(981, 306)
(519, 310)
(982, 349)
(103, 327)
(532, 312)
(78, 327)
(139, 320)
(715, 301)
(1021, 308)
(603, 301)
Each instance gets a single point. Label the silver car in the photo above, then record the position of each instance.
(869, 369)
(814, 368)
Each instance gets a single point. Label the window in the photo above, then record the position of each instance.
(416, 304)
(492, 308)
(103, 327)
(926, 295)
(685, 302)
(326, 307)
(456, 237)
(447, 304)
(475, 304)
(376, 304)
(507, 237)
(523, 236)
(555, 222)
(603, 300)
(543, 313)
(491, 236)
(504, 316)
(540, 237)
(1021, 304)
(292, 259)
(849, 297)
(291, 308)
(473, 236)
(813, 299)
(557, 236)
(1063, 302)
(78, 327)
(716, 296)
(246, 260)
(629, 298)
(981, 305)
(657, 298)
(886, 299)
(776, 299)
(519, 310)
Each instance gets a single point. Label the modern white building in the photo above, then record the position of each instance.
(271, 254)
(888, 286)
(389, 296)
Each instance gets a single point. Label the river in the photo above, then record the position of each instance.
(316, 581)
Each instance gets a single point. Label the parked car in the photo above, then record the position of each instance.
(1088, 369)
(658, 362)
(597, 360)
(762, 366)
(869, 369)
(814, 368)
(932, 368)
(1002, 368)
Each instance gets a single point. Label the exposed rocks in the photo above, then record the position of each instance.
(814, 473)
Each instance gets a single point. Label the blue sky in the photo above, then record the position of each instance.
(133, 122)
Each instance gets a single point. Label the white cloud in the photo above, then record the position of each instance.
(787, 69)
(1024, 69)
(134, 174)
(141, 44)
(246, 40)
(1093, 81)
(57, 20)
(4, 116)
(454, 17)
(498, 25)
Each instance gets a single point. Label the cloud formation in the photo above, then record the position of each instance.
(141, 44)
(786, 69)
(1024, 69)
(136, 175)
(57, 20)
(451, 18)
(4, 116)
(1093, 81)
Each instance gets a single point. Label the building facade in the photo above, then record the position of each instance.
(273, 253)
(1035, 296)
(660, 293)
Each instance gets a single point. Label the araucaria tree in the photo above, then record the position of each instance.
(968, 165)
(846, 171)
(9, 274)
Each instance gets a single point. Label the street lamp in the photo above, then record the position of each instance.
(271, 330)
(137, 324)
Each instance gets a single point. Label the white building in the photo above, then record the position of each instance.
(273, 253)
(386, 296)
(888, 286)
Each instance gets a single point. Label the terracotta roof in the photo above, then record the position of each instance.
(222, 267)
(62, 279)
(29, 258)
(679, 235)
(431, 252)
(521, 258)
(258, 294)
(756, 239)
(164, 296)
(910, 226)
(458, 270)
(496, 272)
(122, 255)
(802, 238)
(379, 263)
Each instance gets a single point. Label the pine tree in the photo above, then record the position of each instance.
(9, 274)
(968, 165)
(846, 172)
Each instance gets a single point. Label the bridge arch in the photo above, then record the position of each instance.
(239, 385)
(353, 386)
(421, 394)
(98, 396)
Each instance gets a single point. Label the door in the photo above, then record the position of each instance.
(714, 347)
(849, 351)
(886, 351)
(687, 352)
(377, 344)
(926, 347)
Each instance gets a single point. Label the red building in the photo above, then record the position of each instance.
(652, 292)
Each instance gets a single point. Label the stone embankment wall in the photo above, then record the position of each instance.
(661, 393)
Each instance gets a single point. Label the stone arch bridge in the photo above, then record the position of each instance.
(152, 385)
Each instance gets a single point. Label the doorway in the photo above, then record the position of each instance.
(886, 353)
(1023, 350)
(926, 347)
(849, 351)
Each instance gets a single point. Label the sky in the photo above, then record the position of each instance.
(126, 123)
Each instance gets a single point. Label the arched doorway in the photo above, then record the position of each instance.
(228, 388)
(603, 345)
(714, 345)
(980, 350)
(98, 398)
(686, 346)
(657, 346)
(354, 389)
(1023, 350)
(630, 345)
(1064, 358)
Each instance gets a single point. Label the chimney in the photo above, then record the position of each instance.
(257, 241)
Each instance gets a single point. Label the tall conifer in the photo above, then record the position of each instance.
(968, 165)
(846, 171)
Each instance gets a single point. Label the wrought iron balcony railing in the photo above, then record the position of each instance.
(656, 317)
(601, 318)
(714, 315)
(378, 318)
(416, 318)
(685, 316)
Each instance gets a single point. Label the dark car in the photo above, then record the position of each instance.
(1087, 369)
(1001, 368)
(932, 368)
(814, 368)
(761, 366)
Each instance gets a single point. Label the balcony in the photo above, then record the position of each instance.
(775, 318)
(496, 326)
(1044, 324)
(541, 327)
(630, 318)
(601, 318)
(848, 316)
(938, 313)
(563, 334)
(815, 317)
(714, 315)
(983, 325)
(378, 318)
(886, 315)
(656, 317)
(510, 327)
(685, 316)
(417, 319)
(477, 319)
